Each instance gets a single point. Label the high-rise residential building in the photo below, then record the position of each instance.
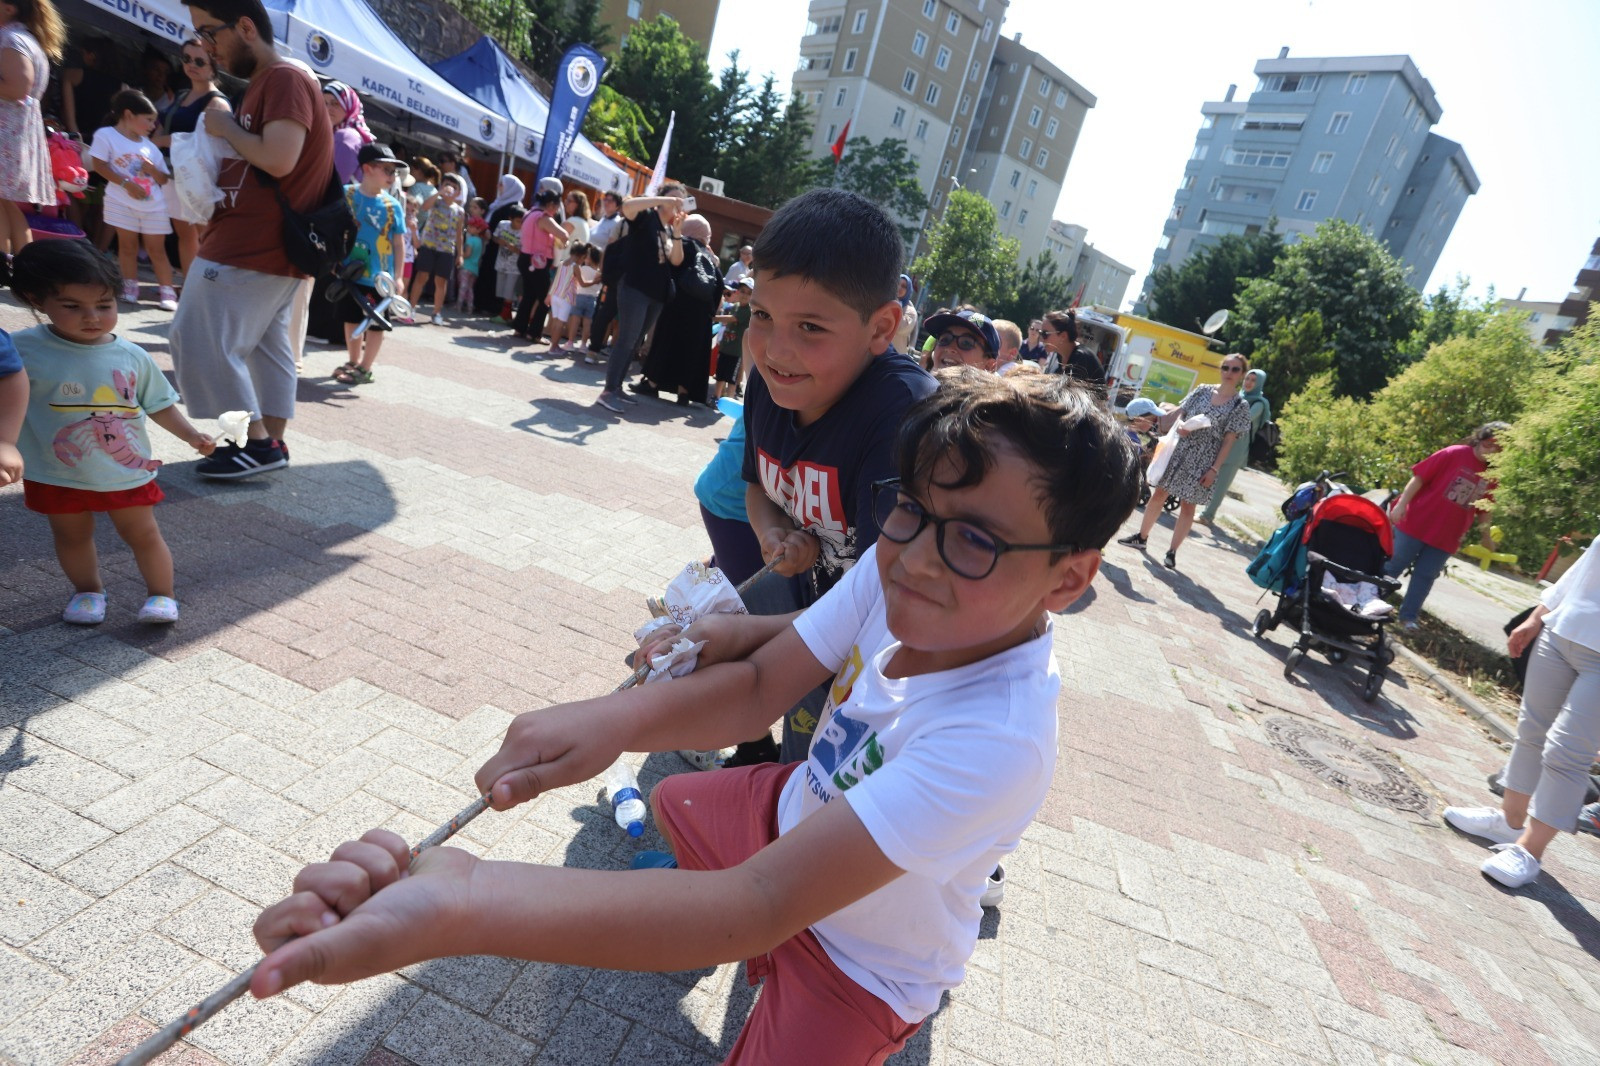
(972, 106)
(1348, 138)
(696, 18)
(1092, 276)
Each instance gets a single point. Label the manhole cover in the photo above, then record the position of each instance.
(1346, 764)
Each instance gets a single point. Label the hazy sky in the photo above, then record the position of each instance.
(1516, 83)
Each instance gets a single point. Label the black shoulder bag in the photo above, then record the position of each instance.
(318, 240)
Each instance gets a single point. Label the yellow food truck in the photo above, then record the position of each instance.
(1147, 358)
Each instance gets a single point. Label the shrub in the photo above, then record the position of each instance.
(1322, 431)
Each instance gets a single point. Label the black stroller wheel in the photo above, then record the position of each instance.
(1171, 504)
(1263, 623)
(1369, 691)
(1292, 660)
(1337, 655)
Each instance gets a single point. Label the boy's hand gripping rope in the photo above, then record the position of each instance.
(201, 1012)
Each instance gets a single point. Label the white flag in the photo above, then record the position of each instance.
(659, 174)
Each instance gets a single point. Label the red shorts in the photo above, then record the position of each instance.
(809, 1012)
(59, 499)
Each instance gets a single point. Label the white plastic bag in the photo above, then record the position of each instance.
(1168, 444)
(196, 161)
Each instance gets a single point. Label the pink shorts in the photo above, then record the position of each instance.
(808, 1012)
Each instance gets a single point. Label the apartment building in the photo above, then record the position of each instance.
(1348, 138)
(972, 106)
(697, 18)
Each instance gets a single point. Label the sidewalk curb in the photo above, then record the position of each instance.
(1477, 711)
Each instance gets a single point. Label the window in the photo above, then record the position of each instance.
(1003, 99)
(635, 8)
(944, 168)
(1372, 186)
(838, 98)
(938, 197)
(818, 101)
(1027, 147)
(919, 44)
(1034, 116)
(1339, 122)
(860, 24)
(955, 135)
(1394, 223)
(1416, 122)
(1051, 127)
(1208, 121)
(1388, 149)
(988, 28)
(1289, 83)
(1412, 191)
(1256, 157)
(931, 97)
(922, 129)
(1061, 98)
(1176, 214)
(850, 59)
(909, 82)
(1354, 84)
(966, 102)
(1271, 122)
(1383, 196)
(1005, 209)
(1044, 86)
(952, 22)
(1411, 105)
(1044, 157)
(1307, 200)
(1323, 163)
(1033, 187)
(1022, 217)
(942, 58)
(1164, 243)
(1400, 159)
(899, 118)
(972, 71)
(1016, 178)
(827, 25)
(1188, 183)
(833, 132)
(930, 8)
(1199, 152)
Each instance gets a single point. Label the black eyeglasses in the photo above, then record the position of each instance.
(208, 34)
(1053, 333)
(965, 341)
(969, 550)
(196, 61)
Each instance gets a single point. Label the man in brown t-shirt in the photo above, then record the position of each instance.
(231, 342)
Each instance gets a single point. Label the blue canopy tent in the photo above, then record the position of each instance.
(487, 74)
(345, 39)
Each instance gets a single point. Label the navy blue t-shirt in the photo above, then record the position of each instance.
(821, 475)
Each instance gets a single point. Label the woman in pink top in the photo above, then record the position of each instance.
(541, 234)
(1436, 510)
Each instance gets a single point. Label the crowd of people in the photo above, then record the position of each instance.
(928, 511)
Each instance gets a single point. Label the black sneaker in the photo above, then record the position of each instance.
(753, 753)
(232, 461)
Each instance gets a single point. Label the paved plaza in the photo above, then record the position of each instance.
(467, 539)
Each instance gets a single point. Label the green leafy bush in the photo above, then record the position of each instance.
(1322, 431)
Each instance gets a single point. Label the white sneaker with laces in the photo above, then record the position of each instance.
(438, 320)
(1486, 822)
(1512, 865)
(995, 890)
(167, 298)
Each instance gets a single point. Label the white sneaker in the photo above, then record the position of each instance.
(1512, 865)
(438, 320)
(995, 890)
(130, 292)
(167, 298)
(1486, 822)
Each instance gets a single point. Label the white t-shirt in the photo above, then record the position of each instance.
(735, 273)
(577, 229)
(1574, 602)
(945, 770)
(123, 155)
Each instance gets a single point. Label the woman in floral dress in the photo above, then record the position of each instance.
(31, 38)
(1198, 457)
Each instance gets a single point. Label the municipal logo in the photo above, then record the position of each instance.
(529, 146)
(486, 128)
(582, 76)
(319, 48)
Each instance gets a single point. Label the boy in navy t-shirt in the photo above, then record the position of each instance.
(823, 409)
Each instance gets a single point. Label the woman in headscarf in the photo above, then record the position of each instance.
(509, 195)
(349, 128)
(1239, 454)
(679, 360)
(907, 332)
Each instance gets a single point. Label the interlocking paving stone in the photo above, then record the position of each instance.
(127, 855)
(110, 924)
(43, 833)
(242, 866)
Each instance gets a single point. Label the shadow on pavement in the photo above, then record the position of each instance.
(1119, 580)
(1564, 907)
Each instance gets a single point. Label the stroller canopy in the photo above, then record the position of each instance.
(1348, 509)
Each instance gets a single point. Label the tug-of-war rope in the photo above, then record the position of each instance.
(696, 592)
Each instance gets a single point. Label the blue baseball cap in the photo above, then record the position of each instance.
(973, 320)
(1143, 407)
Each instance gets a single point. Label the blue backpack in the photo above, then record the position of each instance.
(1281, 563)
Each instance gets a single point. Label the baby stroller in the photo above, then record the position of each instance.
(1329, 531)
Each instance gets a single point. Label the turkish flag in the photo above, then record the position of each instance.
(838, 146)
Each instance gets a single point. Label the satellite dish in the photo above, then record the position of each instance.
(1217, 320)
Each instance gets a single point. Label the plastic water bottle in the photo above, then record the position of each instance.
(622, 790)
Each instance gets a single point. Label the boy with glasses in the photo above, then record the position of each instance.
(380, 220)
(963, 338)
(851, 881)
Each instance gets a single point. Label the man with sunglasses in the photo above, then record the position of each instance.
(232, 343)
(964, 338)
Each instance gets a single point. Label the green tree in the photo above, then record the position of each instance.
(1368, 310)
(1040, 287)
(544, 39)
(1295, 353)
(508, 21)
(765, 163)
(1547, 465)
(1323, 431)
(965, 261)
(662, 72)
(1212, 277)
(883, 172)
(616, 120)
(584, 25)
(1461, 383)
(1447, 313)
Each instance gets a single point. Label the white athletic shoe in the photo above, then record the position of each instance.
(1486, 822)
(1512, 865)
(995, 890)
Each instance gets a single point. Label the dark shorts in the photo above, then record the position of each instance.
(441, 264)
(349, 307)
(60, 499)
(728, 366)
